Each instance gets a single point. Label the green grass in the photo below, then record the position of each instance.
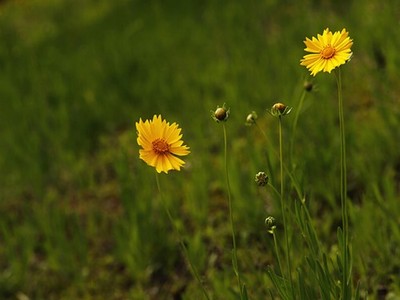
(80, 213)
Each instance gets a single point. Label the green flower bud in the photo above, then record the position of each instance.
(261, 179)
(220, 114)
(280, 109)
(251, 118)
(270, 223)
(308, 86)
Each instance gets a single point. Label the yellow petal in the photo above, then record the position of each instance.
(312, 46)
(166, 164)
(181, 151)
(144, 130)
(176, 162)
(173, 135)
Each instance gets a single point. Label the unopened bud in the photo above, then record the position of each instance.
(308, 86)
(270, 223)
(261, 179)
(251, 118)
(220, 114)
(280, 109)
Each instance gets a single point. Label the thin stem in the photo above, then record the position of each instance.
(274, 189)
(234, 250)
(343, 189)
(274, 234)
(285, 166)
(277, 252)
(262, 131)
(269, 165)
(181, 243)
(283, 208)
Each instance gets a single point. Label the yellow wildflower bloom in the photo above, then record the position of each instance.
(329, 51)
(161, 143)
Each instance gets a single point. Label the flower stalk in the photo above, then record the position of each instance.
(283, 208)
(343, 190)
(234, 249)
(270, 222)
(221, 115)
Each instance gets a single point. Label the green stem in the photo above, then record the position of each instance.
(283, 208)
(269, 165)
(277, 252)
(274, 189)
(343, 190)
(234, 250)
(274, 234)
(181, 243)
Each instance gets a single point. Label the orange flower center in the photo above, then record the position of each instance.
(328, 52)
(160, 146)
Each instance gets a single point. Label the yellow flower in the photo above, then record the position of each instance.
(161, 143)
(329, 51)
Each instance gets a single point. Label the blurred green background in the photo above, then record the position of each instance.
(80, 217)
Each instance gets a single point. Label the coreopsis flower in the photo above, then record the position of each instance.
(328, 51)
(161, 143)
